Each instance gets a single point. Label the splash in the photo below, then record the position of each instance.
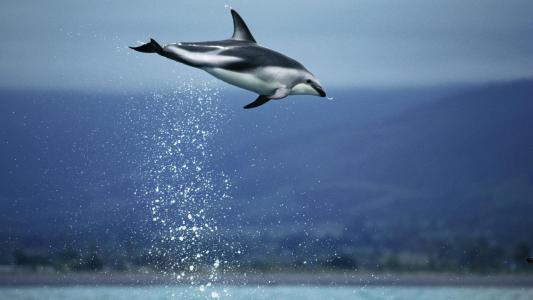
(183, 190)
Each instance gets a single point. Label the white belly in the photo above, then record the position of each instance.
(263, 83)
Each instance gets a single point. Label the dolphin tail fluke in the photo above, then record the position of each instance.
(151, 47)
(258, 102)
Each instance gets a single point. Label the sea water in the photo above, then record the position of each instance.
(264, 292)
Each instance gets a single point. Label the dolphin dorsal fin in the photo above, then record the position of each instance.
(240, 30)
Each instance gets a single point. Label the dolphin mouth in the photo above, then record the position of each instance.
(319, 90)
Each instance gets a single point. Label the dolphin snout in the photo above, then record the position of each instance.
(319, 90)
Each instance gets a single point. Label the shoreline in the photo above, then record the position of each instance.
(268, 279)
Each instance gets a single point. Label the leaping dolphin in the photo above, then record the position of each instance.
(240, 61)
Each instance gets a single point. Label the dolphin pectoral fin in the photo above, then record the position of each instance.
(262, 99)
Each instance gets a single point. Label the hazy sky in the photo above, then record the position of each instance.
(83, 44)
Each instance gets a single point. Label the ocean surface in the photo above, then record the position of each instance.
(262, 292)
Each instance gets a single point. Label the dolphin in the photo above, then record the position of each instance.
(240, 61)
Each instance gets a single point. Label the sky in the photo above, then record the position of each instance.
(83, 45)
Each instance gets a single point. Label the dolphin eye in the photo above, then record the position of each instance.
(308, 80)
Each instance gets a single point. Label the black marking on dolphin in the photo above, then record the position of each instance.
(240, 61)
(257, 56)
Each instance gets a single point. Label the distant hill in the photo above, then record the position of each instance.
(371, 171)
(462, 164)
